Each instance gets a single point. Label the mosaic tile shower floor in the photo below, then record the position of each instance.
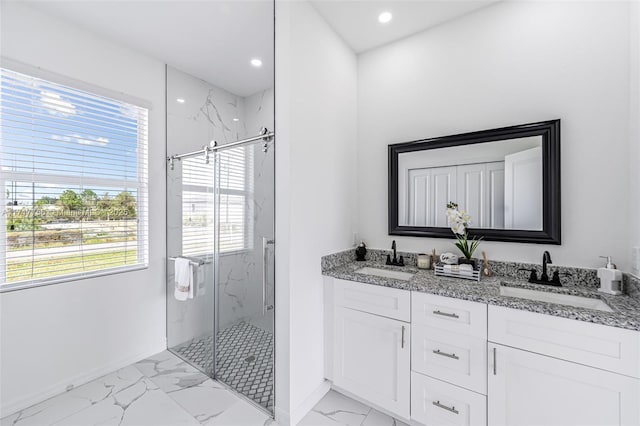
(245, 360)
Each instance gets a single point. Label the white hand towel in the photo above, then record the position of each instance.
(183, 279)
(464, 269)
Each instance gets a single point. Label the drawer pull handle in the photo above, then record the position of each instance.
(438, 352)
(444, 407)
(402, 342)
(446, 314)
(495, 368)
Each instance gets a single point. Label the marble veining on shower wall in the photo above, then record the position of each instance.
(210, 113)
(206, 115)
(240, 289)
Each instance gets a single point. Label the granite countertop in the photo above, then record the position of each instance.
(626, 310)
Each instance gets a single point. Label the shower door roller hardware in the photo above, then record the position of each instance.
(266, 136)
(265, 273)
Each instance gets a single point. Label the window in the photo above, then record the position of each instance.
(74, 177)
(235, 176)
(197, 207)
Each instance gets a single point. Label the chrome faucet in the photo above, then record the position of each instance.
(395, 261)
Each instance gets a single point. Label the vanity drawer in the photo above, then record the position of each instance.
(458, 316)
(609, 348)
(434, 402)
(378, 300)
(455, 358)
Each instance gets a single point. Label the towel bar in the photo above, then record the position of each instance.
(193, 260)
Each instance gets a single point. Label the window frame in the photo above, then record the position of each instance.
(141, 185)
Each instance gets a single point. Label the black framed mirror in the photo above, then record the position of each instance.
(506, 179)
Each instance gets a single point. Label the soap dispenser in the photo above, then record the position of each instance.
(610, 278)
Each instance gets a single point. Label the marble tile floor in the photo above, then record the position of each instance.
(160, 390)
(336, 409)
(164, 390)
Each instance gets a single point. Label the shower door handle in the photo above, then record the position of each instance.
(265, 273)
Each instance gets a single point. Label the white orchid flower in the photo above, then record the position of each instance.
(458, 228)
(452, 214)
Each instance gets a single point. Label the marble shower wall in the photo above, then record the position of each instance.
(240, 289)
(206, 114)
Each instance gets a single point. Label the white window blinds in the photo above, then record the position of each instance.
(197, 207)
(74, 177)
(235, 179)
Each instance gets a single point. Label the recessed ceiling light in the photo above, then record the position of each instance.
(236, 119)
(385, 17)
(180, 100)
(256, 62)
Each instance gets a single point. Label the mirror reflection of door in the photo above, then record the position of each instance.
(498, 183)
(523, 192)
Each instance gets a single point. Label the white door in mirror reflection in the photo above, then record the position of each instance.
(523, 191)
(429, 189)
(477, 188)
(502, 192)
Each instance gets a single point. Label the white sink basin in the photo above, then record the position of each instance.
(385, 273)
(561, 299)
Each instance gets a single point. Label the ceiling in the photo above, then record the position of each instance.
(215, 39)
(212, 40)
(357, 21)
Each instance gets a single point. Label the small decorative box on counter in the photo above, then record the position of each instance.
(464, 271)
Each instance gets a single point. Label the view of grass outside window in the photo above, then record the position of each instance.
(74, 182)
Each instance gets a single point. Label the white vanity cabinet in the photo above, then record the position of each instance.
(372, 343)
(571, 373)
(445, 361)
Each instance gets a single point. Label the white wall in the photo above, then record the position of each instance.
(315, 190)
(511, 63)
(66, 334)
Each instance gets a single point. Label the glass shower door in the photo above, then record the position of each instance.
(244, 265)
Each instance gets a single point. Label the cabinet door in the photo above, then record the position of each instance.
(531, 389)
(372, 359)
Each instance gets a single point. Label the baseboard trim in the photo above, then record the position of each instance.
(11, 407)
(303, 409)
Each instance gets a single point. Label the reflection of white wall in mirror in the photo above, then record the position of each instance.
(471, 175)
(523, 190)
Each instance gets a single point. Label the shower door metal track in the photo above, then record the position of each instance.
(265, 135)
